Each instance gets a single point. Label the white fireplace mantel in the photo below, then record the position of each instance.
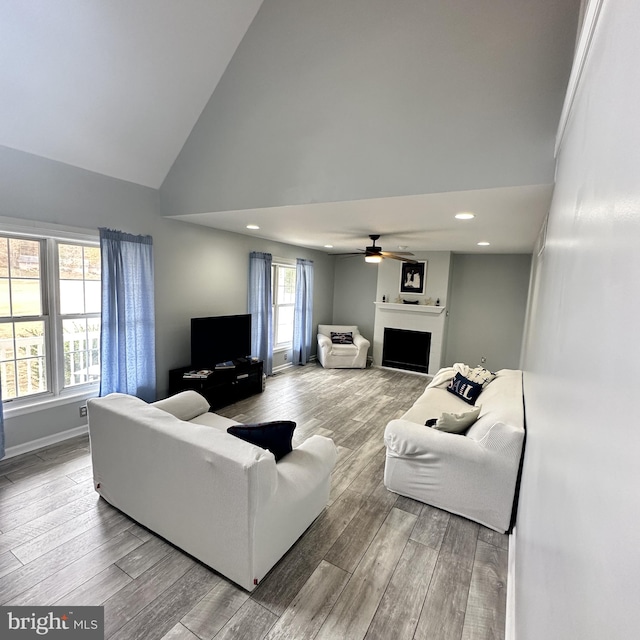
(411, 308)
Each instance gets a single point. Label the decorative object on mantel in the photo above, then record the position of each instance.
(429, 301)
(410, 301)
(412, 277)
(384, 298)
(438, 302)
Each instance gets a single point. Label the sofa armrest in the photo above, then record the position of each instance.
(299, 470)
(185, 405)
(405, 439)
(324, 341)
(360, 341)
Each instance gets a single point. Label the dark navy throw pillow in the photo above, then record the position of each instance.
(464, 388)
(345, 337)
(275, 436)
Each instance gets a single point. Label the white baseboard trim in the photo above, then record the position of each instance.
(282, 367)
(27, 447)
(413, 373)
(510, 616)
(288, 365)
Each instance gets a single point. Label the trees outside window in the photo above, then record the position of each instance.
(49, 316)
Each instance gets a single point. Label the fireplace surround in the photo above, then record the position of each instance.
(411, 317)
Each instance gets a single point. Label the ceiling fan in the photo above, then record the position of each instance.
(375, 254)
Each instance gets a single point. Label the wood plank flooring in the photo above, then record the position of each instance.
(373, 565)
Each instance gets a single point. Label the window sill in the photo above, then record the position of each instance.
(15, 408)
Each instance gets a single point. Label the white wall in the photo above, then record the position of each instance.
(487, 309)
(578, 558)
(198, 271)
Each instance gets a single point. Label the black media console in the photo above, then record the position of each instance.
(222, 386)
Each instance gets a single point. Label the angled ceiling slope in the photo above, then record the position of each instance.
(357, 103)
(113, 87)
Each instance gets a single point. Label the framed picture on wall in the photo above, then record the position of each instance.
(412, 278)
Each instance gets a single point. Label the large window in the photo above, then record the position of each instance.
(79, 280)
(284, 296)
(49, 316)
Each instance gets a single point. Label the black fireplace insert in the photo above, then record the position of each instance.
(404, 349)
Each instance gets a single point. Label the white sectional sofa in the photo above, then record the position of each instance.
(172, 467)
(473, 474)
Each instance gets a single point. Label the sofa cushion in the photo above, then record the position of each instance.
(275, 436)
(432, 403)
(501, 401)
(457, 422)
(214, 420)
(344, 350)
(464, 388)
(342, 337)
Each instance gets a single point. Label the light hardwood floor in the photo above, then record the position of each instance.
(373, 565)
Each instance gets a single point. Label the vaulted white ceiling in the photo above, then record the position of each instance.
(323, 131)
(112, 86)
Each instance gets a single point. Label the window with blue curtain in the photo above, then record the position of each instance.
(303, 312)
(261, 308)
(127, 340)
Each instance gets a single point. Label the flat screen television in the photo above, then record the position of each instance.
(218, 339)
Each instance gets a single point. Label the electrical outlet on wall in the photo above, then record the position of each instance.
(83, 411)
(286, 356)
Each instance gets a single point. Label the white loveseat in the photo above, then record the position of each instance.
(474, 474)
(172, 467)
(342, 356)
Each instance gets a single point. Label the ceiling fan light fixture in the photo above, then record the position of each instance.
(373, 258)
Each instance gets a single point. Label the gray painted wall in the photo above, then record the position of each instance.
(198, 271)
(487, 309)
(354, 293)
(333, 100)
(577, 560)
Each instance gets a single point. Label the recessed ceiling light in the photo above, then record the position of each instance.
(465, 215)
(328, 246)
(253, 226)
(483, 244)
(403, 247)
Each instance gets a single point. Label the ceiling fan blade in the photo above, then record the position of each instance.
(352, 253)
(386, 254)
(398, 253)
